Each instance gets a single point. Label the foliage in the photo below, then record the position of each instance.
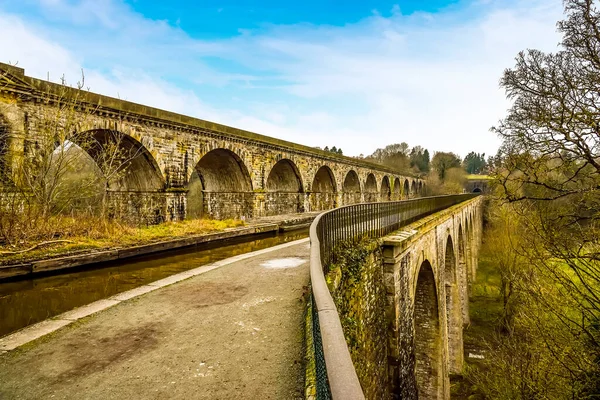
(419, 158)
(474, 163)
(400, 157)
(442, 162)
(334, 150)
(536, 347)
(453, 183)
(551, 174)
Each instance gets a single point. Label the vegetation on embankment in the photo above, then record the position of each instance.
(544, 234)
(525, 321)
(75, 235)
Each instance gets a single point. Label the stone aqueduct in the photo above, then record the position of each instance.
(189, 167)
(428, 269)
(396, 332)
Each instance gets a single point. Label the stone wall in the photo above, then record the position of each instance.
(357, 287)
(228, 205)
(137, 207)
(425, 273)
(401, 301)
(176, 152)
(278, 203)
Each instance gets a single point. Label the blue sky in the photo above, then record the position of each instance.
(358, 75)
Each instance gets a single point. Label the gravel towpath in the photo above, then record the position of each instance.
(235, 332)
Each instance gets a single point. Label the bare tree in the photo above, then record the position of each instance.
(551, 173)
(66, 168)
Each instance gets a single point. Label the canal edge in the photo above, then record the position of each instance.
(50, 325)
(96, 257)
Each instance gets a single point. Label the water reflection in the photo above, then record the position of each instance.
(29, 301)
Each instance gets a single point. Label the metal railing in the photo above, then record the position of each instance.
(335, 374)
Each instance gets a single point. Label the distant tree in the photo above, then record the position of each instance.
(442, 162)
(394, 156)
(333, 149)
(474, 163)
(340, 151)
(419, 158)
(326, 148)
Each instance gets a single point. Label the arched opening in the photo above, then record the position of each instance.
(463, 275)
(220, 187)
(132, 180)
(405, 190)
(371, 189)
(284, 189)
(351, 188)
(469, 252)
(322, 196)
(386, 190)
(428, 354)
(397, 195)
(421, 188)
(77, 178)
(453, 310)
(124, 161)
(413, 189)
(477, 190)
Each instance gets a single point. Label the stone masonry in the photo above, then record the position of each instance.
(222, 172)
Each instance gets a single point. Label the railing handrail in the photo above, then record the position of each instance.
(342, 377)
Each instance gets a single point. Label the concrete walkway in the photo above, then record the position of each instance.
(234, 332)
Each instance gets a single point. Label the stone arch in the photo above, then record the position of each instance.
(463, 275)
(469, 251)
(477, 190)
(323, 190)
(453, 309)
(386, 190)
(220, 187)
(138, 170)
(284, 189)
(413, 189)
(406, 190)
(421, 188)
(370, 189)
(427, 339)
(397, 195)
(124, 176)
(351, 188)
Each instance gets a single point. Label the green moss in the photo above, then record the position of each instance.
(360, 299)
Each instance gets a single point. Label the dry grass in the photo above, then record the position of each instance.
(89, 233)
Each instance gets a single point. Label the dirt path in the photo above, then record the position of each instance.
(233, 333)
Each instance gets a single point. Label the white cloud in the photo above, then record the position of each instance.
(427, 79)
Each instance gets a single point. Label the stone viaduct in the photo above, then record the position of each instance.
(428, 269)
(407, 308)
(183, 166)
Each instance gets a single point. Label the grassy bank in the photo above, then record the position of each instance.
(77, 236)
(485, 311)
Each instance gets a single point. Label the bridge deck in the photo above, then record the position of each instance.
(233, 332)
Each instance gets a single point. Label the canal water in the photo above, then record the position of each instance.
(26, 302)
